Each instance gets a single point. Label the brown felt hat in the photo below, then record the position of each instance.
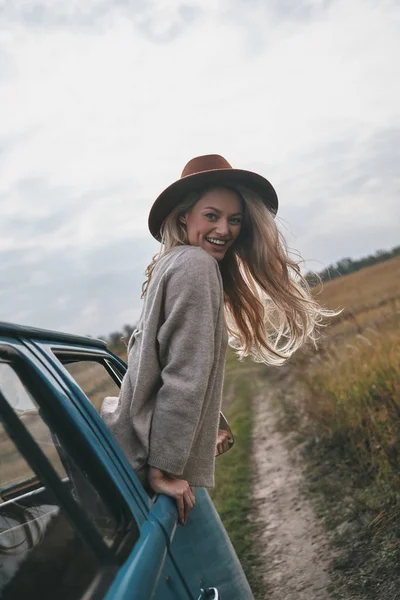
(201, 172)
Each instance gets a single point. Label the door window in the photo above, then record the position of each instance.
(25, 407)
(41, 553)
(42, 548)
(13, 469)
(92, 377)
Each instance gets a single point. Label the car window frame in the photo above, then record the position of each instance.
(108, 564)
(44, 352)
(42, 467)
(66, 357)
(60, 422)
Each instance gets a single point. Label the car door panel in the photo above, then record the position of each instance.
(147, 571)
(168, 561)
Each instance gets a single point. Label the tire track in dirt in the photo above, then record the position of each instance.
(292, 543)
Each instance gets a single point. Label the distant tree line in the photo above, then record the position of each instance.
(345, 266)
(116, 339)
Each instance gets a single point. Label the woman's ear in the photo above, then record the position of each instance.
(182, 219)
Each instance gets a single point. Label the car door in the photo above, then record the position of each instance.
(65, 500)
(201, 551)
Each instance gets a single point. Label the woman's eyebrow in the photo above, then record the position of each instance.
(218, 211)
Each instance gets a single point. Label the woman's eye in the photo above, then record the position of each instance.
(211, 216)
(236, 221)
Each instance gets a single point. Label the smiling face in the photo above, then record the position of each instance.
(215, 221)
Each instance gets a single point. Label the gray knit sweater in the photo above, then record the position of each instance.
(167, 413)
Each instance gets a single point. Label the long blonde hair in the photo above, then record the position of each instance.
(269, 308)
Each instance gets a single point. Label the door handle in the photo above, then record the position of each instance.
(209, 594)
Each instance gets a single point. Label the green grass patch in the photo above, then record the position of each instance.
(232, 495)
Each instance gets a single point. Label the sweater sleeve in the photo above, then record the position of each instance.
(193, 300)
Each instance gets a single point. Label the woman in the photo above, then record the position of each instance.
(223, 270)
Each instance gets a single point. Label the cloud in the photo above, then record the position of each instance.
(349, 200)
(104, 102)
(159, 22)
(93, 290)
(261, 26)
(7, 66)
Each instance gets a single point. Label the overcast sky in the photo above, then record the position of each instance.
(102, 103)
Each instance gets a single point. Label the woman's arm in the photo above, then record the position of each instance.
(193, 301)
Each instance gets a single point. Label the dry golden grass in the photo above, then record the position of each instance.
(367, 298)
(349, 392)
(364, 289)
(353, 381)
(354, 396)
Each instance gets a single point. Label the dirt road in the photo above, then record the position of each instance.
(295, 552)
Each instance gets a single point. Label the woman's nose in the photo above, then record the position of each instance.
(222, 227)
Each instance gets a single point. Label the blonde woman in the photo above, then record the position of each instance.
(222, 273)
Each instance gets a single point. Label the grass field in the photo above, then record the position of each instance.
(344, 401)
(353, 383)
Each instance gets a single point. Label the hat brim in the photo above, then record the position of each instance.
(177, 191)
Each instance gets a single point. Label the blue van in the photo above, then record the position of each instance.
(75, 522)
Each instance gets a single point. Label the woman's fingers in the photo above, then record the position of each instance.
(179, 489)
(185, 505)
(222, 442)
(222, 447)
(188, 504)
(181, 509)
(191, 495)
(189, 501)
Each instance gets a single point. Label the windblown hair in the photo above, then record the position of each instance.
(269, 309)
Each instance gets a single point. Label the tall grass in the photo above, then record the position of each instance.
(353, 399)
(353, 384)
(344, 400)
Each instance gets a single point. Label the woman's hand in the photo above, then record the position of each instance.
(179, 489)
(223, 439)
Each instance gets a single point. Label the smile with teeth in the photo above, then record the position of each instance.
(216, 242)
